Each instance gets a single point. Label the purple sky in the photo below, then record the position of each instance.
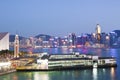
(58, 17)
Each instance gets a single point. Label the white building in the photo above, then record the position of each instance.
(4, 41)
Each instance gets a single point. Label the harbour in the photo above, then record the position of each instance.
(109, 73)
(59, 40)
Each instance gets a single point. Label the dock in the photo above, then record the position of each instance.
(47, 62)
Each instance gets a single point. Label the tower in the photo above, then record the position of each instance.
(73, 39)
(98, 32)
(98, 29)
(16, 47)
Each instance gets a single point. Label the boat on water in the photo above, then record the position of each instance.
(47, 62)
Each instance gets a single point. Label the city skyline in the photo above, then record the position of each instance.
(28, 18)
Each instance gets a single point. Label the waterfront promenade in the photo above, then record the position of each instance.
(10, 65)
(6, 67)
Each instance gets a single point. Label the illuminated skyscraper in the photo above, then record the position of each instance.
(98, 29)
(70, 39)
(16, 47)
(98, 32)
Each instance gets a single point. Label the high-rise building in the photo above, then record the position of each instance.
(70, 39)
(98, 29)
(4, 41)
(73, 39)
(16, 47)
(98, 33)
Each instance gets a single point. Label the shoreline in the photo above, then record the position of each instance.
(55, 69)
(7, 72)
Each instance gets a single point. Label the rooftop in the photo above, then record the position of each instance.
(2, 34)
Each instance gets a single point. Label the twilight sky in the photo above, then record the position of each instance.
(58, 17)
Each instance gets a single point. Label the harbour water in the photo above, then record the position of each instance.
(85, 74)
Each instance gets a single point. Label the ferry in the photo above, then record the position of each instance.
(47, 62)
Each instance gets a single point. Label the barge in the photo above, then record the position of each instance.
(47, 62)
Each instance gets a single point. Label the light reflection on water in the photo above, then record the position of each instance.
(112, 73)
(92, 74)
(95, 73)
(38, 76)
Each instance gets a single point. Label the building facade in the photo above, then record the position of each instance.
(98, 33)
(4, 41)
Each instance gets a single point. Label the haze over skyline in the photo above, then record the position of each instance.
(58, 17)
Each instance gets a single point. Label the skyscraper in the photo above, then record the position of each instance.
(98, 29)
(73, 39)
(16, 47)
(98, 33)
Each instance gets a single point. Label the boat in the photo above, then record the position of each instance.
(47, 62)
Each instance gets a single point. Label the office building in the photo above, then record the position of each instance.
(98, 33)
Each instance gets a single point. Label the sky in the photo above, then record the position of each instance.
(58, 17)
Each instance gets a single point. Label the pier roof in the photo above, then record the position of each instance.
(63, 59)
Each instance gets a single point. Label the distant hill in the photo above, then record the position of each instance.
(12, 38)
(43, 36)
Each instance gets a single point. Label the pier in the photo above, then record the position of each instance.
(46, 62)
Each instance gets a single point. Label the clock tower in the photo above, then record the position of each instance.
(16, 47)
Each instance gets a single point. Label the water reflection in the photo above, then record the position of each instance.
(41, 76)
(113, 52)
(112, 71)
(56, 50)
(64, 50)
(95, 73)
(71, 50)
(15, 77)
(89, 74)
(45, 50)
(103, 70)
